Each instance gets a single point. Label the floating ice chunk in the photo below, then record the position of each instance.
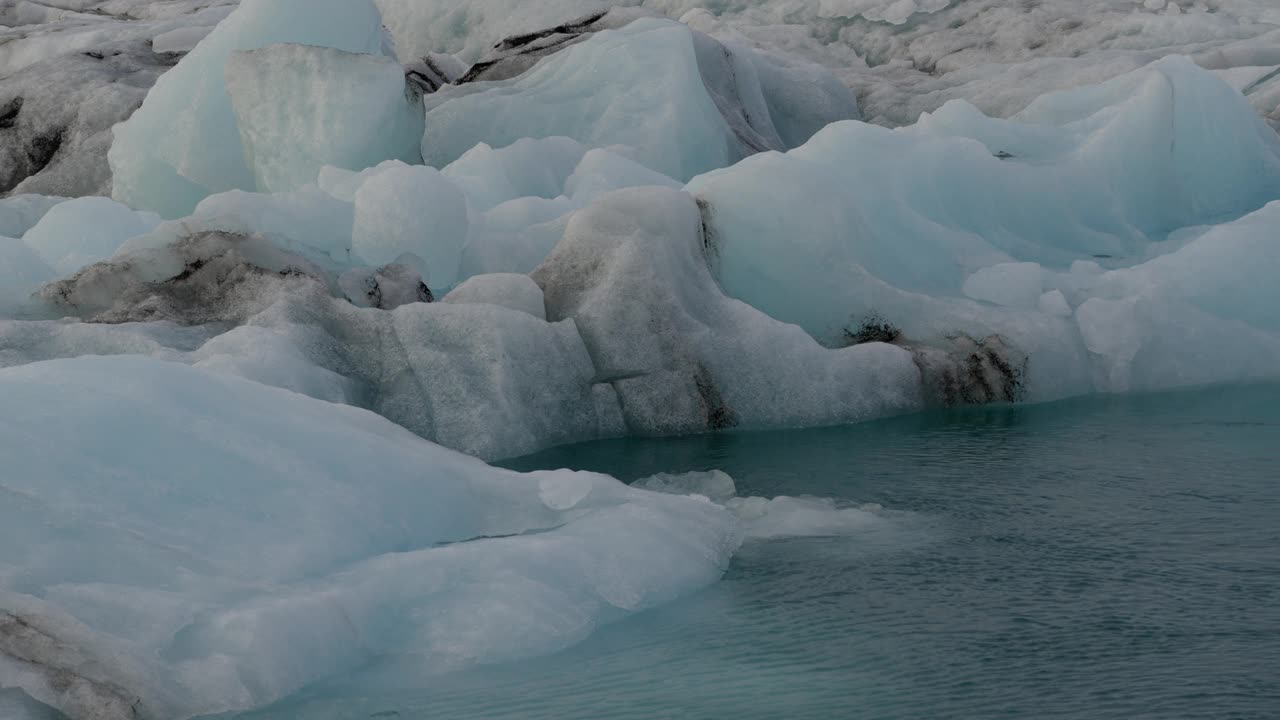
(184, 142)
(412, 210)
(509, 290)
(182, 581)
(715, 485)
(1008, 284)
(83, 231)
(781, 517)
(770, 518)
(300, 108)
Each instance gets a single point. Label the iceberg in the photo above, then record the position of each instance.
(865, 227)
(258, 352)
(161, 568)
(682, 102)
(860, 275)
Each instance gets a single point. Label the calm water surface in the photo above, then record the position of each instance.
(1109, 558)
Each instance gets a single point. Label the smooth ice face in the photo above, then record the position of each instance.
(158, 567)
(1202, 314)
(682, 102)
(1103, 172)
(412, 210)
(867, 234)
(83, 231)
(1007, 284)
(637, 87)
(300, 108)
(184, 142)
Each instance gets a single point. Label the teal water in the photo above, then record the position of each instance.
(1109, 558)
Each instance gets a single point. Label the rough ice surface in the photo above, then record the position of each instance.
(631, 274)
(71, 70)
(300, 108)
(398, 229)
(509, 290)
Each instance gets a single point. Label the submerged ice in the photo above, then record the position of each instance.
(346, 239)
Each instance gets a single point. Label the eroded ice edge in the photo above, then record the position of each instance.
(254, 335)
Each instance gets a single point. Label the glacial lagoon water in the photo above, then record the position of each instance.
(1106, 558)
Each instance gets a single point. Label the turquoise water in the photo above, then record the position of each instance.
(1109, 558)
